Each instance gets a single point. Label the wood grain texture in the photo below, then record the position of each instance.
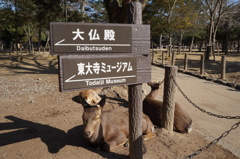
(223, 68)
(169, 98)
(135, 91)
(135, 121)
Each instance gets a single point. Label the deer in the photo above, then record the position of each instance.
(153, 108)
(90, 95)
(107, 129)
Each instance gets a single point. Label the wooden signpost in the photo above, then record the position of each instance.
(103, 55)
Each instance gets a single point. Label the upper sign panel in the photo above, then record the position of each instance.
(90, 38)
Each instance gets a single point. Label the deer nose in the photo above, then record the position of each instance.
(86, 133)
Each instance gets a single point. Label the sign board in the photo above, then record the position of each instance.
(78, 38)
(84, 72)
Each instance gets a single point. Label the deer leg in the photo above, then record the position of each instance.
(148, 135)
(117, 140)
(148, 128)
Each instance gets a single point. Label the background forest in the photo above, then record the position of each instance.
(25, 23)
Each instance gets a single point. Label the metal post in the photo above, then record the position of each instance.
(169, 97)
(135, 97)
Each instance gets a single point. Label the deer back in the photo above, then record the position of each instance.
(153, 108)
(182, 120)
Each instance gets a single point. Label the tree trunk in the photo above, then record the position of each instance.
(83, 5)
(170, 38)
(226, 39)
(238, 49)
(208, 52)
(48, 38)
(39, 38)
(29, 40)
(160, 42)
(190, 49)
(181, 37)
(200, 47)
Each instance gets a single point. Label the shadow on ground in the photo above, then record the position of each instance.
(54, 138)
(31, 64)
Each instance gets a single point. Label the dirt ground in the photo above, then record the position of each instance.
(39, 122)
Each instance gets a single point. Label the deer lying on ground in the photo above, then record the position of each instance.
(90, 95)
(108, 129)
(153, 108)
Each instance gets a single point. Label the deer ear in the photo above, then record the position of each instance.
(83, 101)
(149, 83)
(102, 102)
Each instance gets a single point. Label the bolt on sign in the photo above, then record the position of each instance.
(77, 38)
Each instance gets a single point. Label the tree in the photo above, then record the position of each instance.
(216, 9)
(118, 12)
(229, 28)
(171, 17)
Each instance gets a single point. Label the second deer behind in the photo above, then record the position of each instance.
(153, 108)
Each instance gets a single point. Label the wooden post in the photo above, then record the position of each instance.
(208, 52)
(135, 121)
(179, 49)
(163, 57)
(223, 70)
(135, 97)
(173, 58)
(160, 41)
(186, 62)
(169, 50)
(202, 65)
(169, 97)
(217, 49)
(153, 56)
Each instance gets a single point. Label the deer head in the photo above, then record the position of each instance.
(92, 117)
(156, 89)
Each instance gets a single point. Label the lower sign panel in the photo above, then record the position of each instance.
(82, 73)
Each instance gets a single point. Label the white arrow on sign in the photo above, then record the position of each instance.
(79, 80)
(60, 44)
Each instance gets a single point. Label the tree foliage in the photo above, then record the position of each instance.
(30, 18)
(180, 20)
(172, 17)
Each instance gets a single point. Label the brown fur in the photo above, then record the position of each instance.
(108, 129)
(153, 108)
(90, 95)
